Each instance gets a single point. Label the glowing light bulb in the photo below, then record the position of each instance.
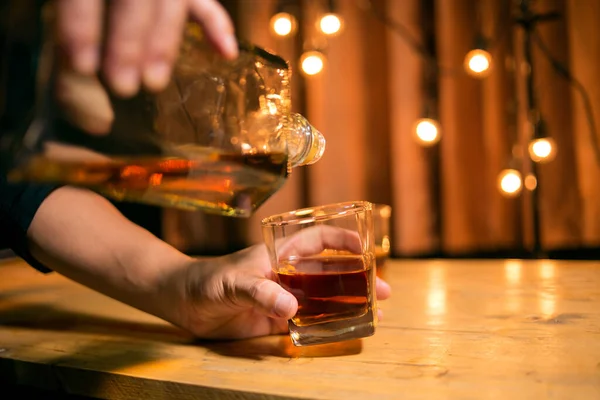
(330, 24)
(530, 182)
(510, 182)
(427, 131)
(478, 63)
(312, 62)
(283, 24)
(542, 150)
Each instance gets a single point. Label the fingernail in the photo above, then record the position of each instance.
(284, 305)
(86, 60)
(127, 81)
(230, 46)
(157, 75)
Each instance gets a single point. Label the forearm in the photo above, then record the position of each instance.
(79, 234)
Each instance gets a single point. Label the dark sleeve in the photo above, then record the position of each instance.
(18, 205)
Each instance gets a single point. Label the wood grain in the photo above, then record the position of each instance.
(453, 329)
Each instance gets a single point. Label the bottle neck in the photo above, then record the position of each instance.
(306, 144)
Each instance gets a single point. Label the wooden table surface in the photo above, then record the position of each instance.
(452, 329)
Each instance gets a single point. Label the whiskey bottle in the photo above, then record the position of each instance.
(220, 138)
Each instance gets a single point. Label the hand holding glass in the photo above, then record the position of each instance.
(325, 257)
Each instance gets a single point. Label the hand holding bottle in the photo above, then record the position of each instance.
(138, 46)
(141, 39)
(188, 145)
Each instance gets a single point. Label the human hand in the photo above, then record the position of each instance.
(141, 41)
(235, 296)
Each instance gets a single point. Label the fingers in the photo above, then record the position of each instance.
(339, 239)
(142, 38)
(279, 326)
(162, 43)
(129, 22)
(316, 239)
(382, 289)
(79, 32)
(84, 102)
(217, 26)
(267, 297)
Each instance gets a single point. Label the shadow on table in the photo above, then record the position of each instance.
(280, 346)
(85, 369)
(88, 367)
(49, 318)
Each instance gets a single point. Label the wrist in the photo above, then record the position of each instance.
(156, 279)
(171, 294)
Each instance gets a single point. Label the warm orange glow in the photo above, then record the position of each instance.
(134, 171)
(478, 63)
(330, 24)
(427, 131)
(513, 271)
(530, 182)
(542, 150)
(436, 295)
(510, 182)
(283, 24)
(547, 297)
(312, 62)
(156, 179)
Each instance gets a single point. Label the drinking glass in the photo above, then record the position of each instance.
(325, 257)
(382, 214)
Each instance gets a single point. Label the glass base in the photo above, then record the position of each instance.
(331, 332)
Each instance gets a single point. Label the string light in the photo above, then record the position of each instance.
(542, 150)
(478, 64)
(427, 131)
(283, 24)
(312, 62)
(530, 182)
(478, 61)
(510, 182)
(330, 24)
(564, 72)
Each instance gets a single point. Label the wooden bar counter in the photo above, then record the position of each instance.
(453, 329)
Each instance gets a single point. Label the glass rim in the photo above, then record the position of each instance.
(306, 215)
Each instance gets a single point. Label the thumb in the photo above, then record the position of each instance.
(267, 297)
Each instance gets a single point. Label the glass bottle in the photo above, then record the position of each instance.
(220, 138)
